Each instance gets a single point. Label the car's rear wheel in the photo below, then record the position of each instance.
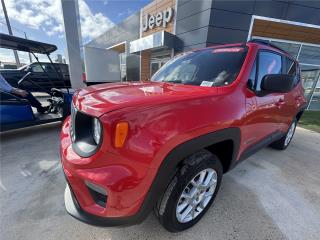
(284, 142)
(191, 192)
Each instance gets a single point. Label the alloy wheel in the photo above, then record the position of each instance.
(196, 195)
(290, 134)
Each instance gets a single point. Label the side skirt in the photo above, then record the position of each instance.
(259, 145)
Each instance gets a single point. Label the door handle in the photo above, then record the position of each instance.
(299, 100)
(280, 102)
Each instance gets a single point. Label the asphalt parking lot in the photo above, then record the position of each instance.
(272, 195)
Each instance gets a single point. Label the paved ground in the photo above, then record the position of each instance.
(273, 195)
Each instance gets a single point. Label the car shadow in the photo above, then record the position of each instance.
(34, 207)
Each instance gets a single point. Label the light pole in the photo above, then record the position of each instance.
(25, 36)
(72, 29)
(10, 31)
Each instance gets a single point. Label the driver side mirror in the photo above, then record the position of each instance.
(277, 83)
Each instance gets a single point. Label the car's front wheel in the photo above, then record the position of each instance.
(191, 192)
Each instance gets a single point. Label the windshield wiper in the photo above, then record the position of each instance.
(174, 81)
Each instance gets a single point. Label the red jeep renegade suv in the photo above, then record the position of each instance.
(164, 145)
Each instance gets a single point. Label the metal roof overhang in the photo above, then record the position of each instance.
(25, 45)
(156, 40)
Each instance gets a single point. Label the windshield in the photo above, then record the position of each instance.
(209, 67)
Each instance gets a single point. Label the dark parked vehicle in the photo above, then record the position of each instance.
(43, 75)
(16, 112)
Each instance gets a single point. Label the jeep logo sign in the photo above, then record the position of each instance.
(160, 19)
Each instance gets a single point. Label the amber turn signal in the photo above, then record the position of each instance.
(121, 134)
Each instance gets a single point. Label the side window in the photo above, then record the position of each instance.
(36, 68)
(64, 68)
(48, 67)
(291, 68)
(269, 63)
(253, 73)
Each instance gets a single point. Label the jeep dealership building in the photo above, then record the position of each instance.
(144, 41)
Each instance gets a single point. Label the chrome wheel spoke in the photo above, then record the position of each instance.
(186, 196)
(182, 206)
(193, 212)
(202, 205)
(186, 212)
(202, 176)
(209, 193)
(194, 183)
(206, 200)
(209, 178)
(190, 194)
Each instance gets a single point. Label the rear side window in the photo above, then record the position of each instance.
(48, 68)
(64, 68)
(253, 74)
(292, 69)
(269, 63)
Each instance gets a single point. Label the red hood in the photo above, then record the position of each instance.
(99, 99)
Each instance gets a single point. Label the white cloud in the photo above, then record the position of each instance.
(46, 15)
(92, 25)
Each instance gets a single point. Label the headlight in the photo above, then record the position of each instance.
(86, 134)
(96, 130)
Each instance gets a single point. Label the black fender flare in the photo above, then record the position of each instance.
(169, 164)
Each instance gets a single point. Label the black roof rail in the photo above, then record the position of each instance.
(266, 42)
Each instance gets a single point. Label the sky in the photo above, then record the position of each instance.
(42, 20)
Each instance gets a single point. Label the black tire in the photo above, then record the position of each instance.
(281, 143)
(165, 209)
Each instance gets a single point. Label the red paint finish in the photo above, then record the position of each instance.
(162, 116)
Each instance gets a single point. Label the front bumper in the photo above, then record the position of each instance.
(125, 181)
(73, 208)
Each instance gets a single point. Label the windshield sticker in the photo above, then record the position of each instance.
(234, 49)
(206, 84)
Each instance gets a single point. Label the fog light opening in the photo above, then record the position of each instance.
(98, 194)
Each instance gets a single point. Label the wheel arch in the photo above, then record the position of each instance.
(224, 151)
(176, 156)
(217, 142)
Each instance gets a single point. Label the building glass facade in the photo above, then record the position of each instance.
(149, 38)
